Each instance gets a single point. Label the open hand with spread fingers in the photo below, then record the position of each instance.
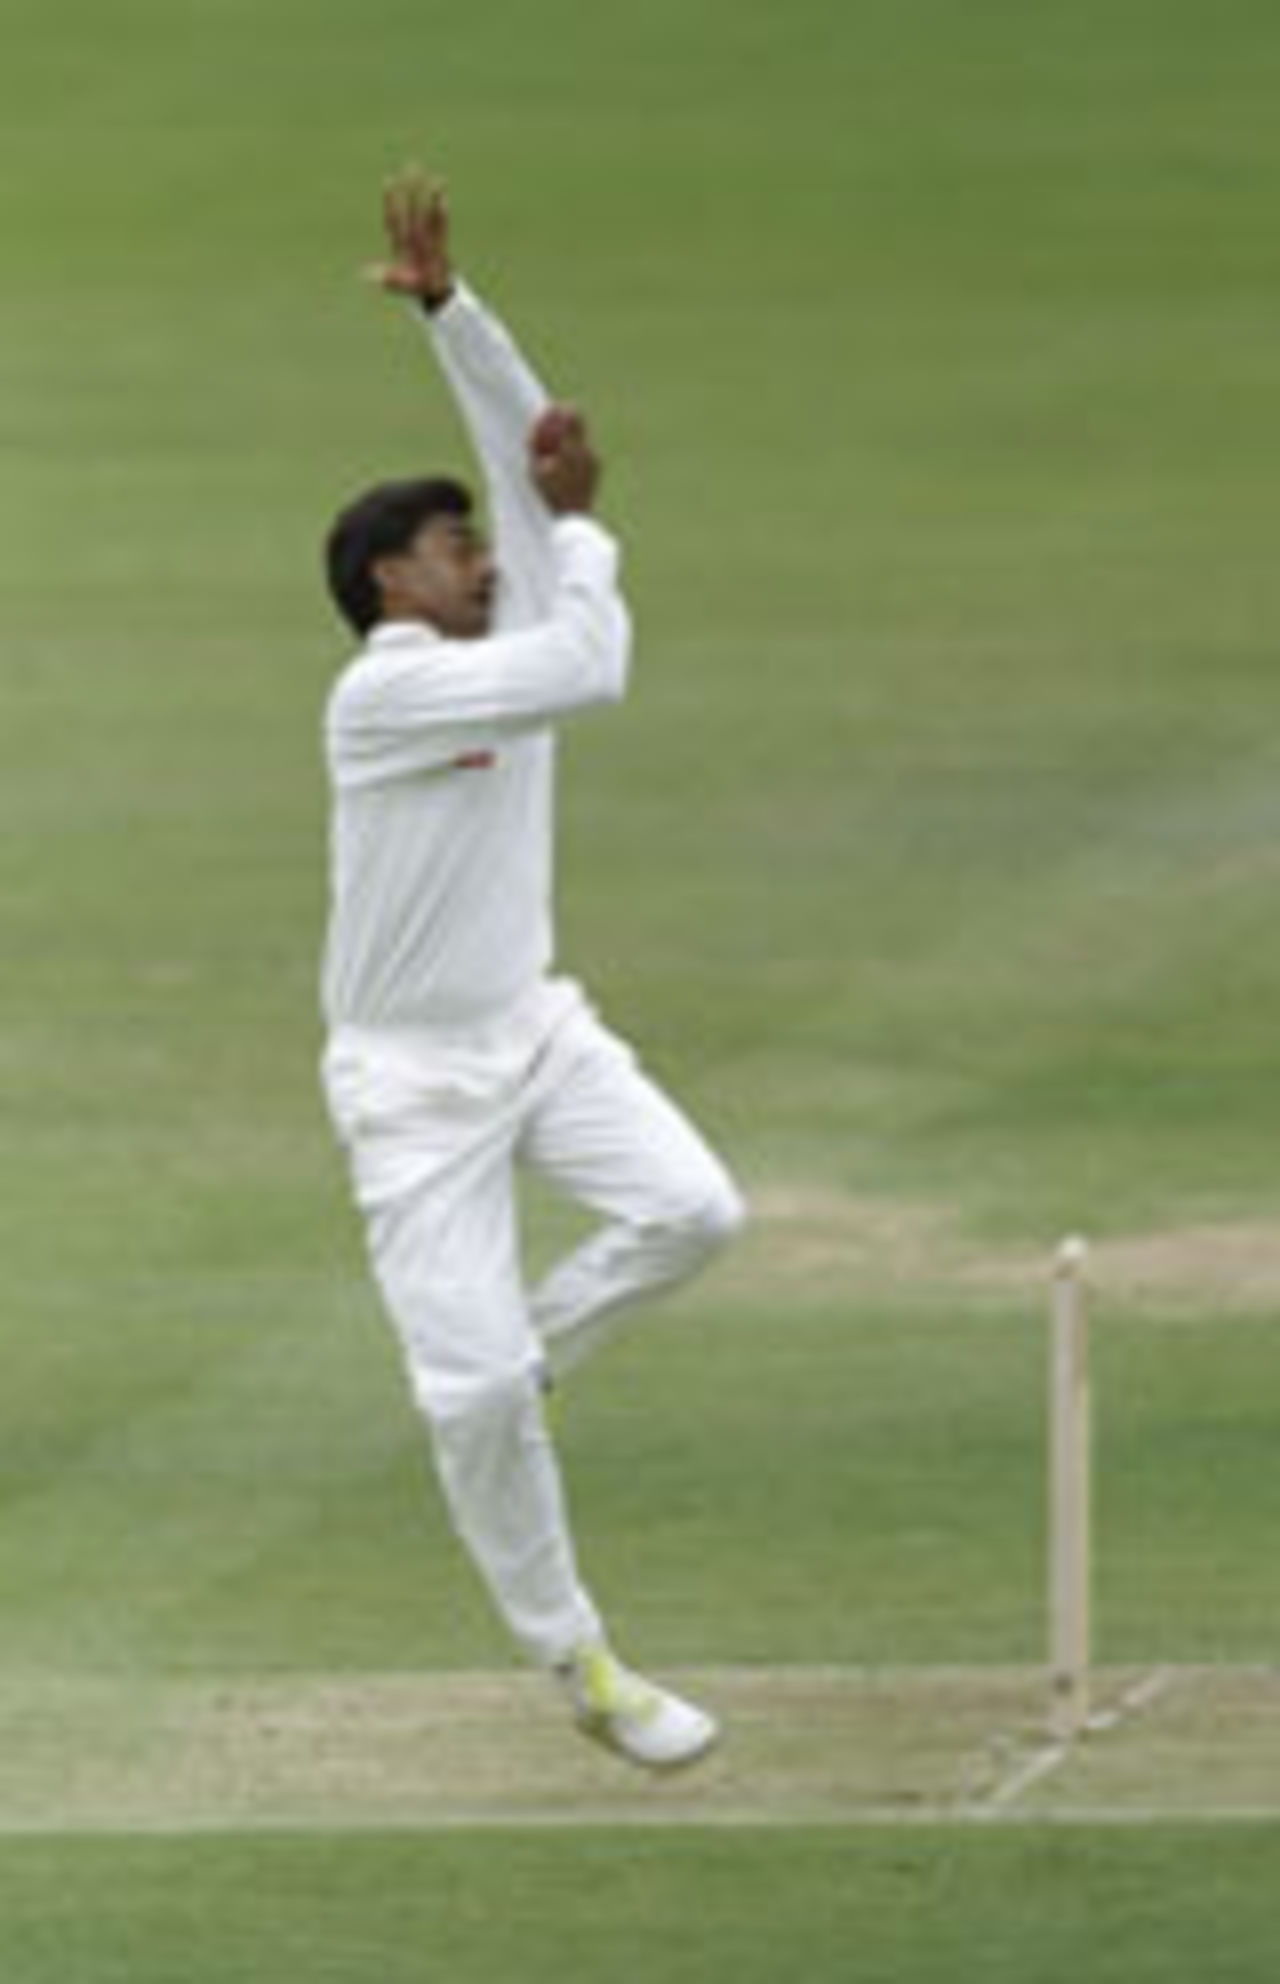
(416, 215)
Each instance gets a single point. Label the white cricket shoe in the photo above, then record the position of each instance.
(642, 1722)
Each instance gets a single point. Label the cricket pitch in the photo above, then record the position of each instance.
(804, 1746)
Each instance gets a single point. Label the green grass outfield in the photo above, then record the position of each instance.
(836, 1905)
(934, 861)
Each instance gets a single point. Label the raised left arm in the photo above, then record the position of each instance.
(497, 392)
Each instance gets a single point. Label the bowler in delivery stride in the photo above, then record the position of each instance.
(454, 1053)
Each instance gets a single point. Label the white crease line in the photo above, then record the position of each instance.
(1040, 1764)
(1051, 1756)
(606, 1819)
(1135, 1699)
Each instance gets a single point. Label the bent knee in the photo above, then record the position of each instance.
(714, 1218)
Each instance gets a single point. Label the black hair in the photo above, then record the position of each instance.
(377, 525)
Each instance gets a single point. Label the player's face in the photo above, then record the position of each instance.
(446, 578)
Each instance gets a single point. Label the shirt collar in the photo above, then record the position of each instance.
(401, 633)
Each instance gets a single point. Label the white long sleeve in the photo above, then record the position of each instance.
(500, 397)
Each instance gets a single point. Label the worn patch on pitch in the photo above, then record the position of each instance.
(456, 1749)
(812, 1237)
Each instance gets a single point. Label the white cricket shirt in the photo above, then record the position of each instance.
(441, 752)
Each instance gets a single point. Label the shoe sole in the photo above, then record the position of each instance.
(599, 1731)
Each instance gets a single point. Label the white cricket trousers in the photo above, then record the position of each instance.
(434, 1124)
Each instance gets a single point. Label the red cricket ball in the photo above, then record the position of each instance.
(554, 427)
